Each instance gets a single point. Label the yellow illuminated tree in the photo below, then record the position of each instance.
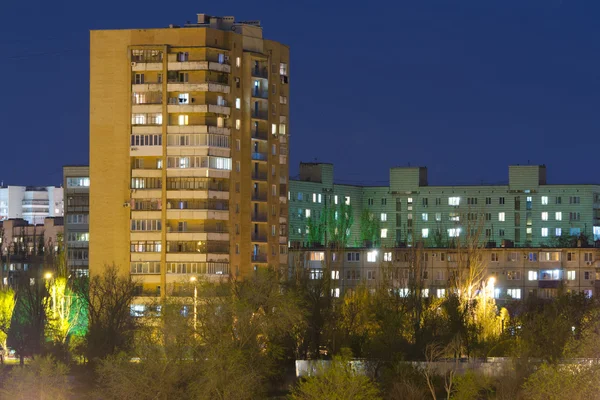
(7, 307)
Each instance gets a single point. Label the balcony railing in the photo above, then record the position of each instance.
(259, 197)
(259, 156)
(197, 229)
(260, 72)
(259, 217)
(259, 176)
(262, 94)
(259, 258)
(261, 135)
(259, 238)
(260, 114)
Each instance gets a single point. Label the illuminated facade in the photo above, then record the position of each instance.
(511, 273)
(527, 212)
(77, 209)
(188, 151)
(32, 203)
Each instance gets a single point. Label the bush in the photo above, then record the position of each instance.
(42, 379)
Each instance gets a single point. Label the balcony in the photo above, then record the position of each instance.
(260, 258)
(260, 135)
(259, 217)
(259, 176)
(259, 197)
(198, 65)
(198, 108)
(260, 72)
(259, 238)
(218, 87)
(146, 87)
(259, 156)
(261, 94)
(260, 114)
(141, 66)
(182, 129)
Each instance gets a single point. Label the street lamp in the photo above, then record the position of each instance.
(194, 279)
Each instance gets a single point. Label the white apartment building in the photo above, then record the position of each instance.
(31, 203)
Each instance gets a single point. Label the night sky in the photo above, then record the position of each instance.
(464, 87)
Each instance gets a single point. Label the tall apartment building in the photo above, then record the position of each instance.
(31, 203)
(76, 183)
(527, 212)
(188, 151)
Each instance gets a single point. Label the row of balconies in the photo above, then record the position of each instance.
(181, 109)
(197, 65)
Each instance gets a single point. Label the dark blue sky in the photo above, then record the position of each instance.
(465, 87)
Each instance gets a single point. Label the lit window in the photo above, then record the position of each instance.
(307, 213)
(544, 232)
(558, 232)
(335, 292)
(372, 256)
(384, 233)
(501, 217)
(383, 217)
(320, 198)
(347, 200)
(532, 275)
(545, 216)
(514, 293)
(454, 232)
(335, 199)
(314, 197)
(425, 216)
(387, 256)
(183, 120)
(425, 232)
(238, 103)
(571, 275)
(274, 129)
(558, 215)
(238, 62)
(544, 200)
(453, 201)
(440, 293)
(282, 129)
(425, 292)
(335, 274)
(438, 216)
(238, 124)
(184, 98)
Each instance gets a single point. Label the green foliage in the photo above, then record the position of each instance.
(338, 381)
(43, 379)
(369, 228)
(338, 221)
(567, 381)
(316, 231)
(7, 307)
(470, 386)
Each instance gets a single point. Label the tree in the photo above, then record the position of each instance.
(111, 325)
(26, 334)
(7, 307)
(66, 310)
(43, 379)
(338, 381)
(369, 228)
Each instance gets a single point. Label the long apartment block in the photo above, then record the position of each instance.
(188, 151)
(510, 273)
(526, 212)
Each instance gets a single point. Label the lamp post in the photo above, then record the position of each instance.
(193, 279)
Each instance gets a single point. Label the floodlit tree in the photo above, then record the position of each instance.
(43, 379)
(369, 228)
(337, 381)
(7, 307)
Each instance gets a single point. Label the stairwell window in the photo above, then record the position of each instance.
(238, 103)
